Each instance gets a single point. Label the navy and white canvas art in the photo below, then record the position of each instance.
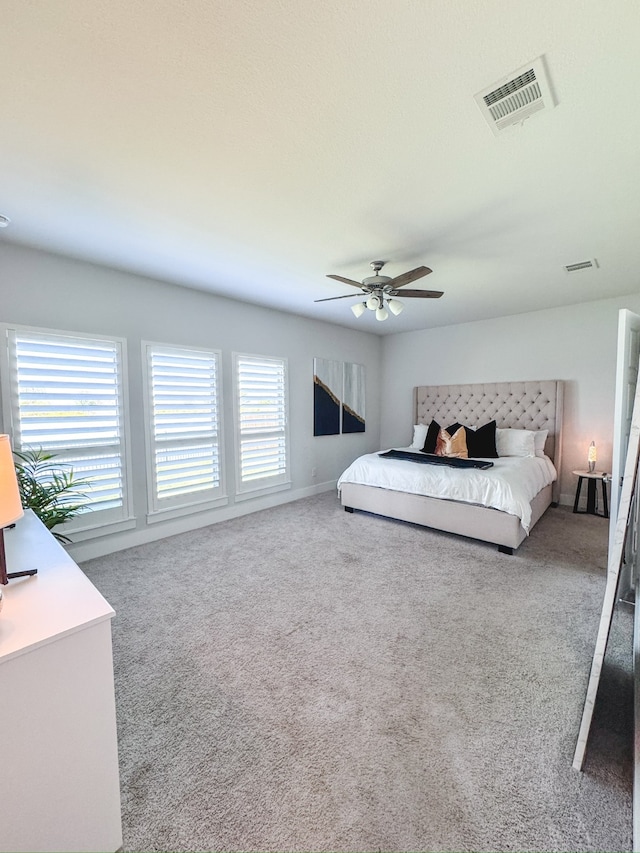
(327, 393)
(353, 398)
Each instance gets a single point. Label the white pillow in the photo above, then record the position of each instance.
(539, 438)
(515, 442)
(419, 436)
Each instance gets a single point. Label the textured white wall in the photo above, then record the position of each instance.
(576, 344)
(48, 291)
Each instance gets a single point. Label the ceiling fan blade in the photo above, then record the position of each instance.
(418, 294)
(408, 277)
(346, 296)
(346, 280)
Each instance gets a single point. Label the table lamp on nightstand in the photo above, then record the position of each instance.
(592, 457)
(10, 505)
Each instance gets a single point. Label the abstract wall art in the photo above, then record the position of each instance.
(338, 397)
(327, 393)
(353, 397)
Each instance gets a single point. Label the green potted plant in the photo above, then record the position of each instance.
(49, 488)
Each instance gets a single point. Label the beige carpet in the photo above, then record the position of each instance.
(306, 679)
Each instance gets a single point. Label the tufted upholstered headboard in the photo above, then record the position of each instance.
(524, 405)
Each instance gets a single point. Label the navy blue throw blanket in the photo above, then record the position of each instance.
(431, 459)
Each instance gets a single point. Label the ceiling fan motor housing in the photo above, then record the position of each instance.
(376, 281)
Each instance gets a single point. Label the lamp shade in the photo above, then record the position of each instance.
(373, 302)
(10, 504)
(382, 313)
(359, 308)
(394, 306)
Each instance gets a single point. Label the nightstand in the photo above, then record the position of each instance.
(592, 478)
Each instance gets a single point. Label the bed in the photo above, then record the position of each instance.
(532, 405)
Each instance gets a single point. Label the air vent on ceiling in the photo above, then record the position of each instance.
(583, 265)
(514, 98)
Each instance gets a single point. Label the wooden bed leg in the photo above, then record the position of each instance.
(504, 549)
(348, 509)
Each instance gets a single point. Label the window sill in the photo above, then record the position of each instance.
(262, 490)
(167, 513)
(84, 533)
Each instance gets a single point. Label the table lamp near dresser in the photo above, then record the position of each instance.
(10, 507)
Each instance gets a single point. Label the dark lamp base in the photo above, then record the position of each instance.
(5, 576)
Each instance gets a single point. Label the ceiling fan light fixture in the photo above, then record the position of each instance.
(372, 302)
(381, 314)
(395, 307)
(376, 292)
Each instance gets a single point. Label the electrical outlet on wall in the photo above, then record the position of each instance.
(314, 472)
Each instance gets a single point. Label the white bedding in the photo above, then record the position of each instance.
(509, 485)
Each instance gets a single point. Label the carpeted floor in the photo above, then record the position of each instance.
(306, 679)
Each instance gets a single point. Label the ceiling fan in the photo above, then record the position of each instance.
(380, 291)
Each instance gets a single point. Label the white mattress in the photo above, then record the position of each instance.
(509, 485)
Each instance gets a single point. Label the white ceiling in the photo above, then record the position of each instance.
(250, 147)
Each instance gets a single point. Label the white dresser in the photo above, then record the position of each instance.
(59, 781)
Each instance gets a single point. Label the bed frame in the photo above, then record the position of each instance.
(524, 405)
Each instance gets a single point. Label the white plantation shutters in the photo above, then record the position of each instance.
(66, 397)
(184, 442)
(261, 422)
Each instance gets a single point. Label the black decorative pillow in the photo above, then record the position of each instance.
(432, 438)
(481, 442)
(484, 441)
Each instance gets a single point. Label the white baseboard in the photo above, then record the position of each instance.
(108, 544)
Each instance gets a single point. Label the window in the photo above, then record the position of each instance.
(183, 402)
(261, 423)
(65, 394)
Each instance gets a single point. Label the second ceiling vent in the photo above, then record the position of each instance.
(514, 98)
